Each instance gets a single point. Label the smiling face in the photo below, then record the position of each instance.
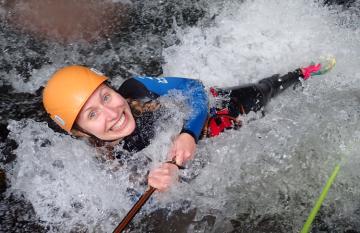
(106, 115)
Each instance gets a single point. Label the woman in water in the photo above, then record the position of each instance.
(80, 101)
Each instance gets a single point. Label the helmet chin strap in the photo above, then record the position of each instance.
(77, 130)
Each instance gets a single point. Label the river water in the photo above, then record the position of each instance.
(262, 178)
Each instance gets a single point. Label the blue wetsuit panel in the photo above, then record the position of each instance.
(192, 89)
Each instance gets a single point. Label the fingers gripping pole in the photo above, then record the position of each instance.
(136, 208)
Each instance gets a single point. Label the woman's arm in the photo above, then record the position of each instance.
(184, 145)
(196, 98)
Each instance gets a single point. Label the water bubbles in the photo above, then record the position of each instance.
(264, 176)
(302, 131)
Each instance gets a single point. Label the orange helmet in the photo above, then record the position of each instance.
(67, 91)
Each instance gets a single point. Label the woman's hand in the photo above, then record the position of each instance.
(183, 148)
(163, 177)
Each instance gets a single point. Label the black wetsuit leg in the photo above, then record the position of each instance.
(254, 97)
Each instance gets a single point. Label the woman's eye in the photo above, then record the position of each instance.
(92, 115)
(106, 98)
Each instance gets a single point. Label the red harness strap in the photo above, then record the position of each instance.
(219, 123)
(219, 119)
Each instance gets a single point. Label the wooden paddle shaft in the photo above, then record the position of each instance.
(134, 210)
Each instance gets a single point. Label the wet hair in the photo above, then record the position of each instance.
(139, 107)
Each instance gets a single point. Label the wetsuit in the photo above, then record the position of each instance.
(234, 101)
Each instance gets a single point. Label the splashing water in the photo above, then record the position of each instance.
(262, 178)
(276, 165)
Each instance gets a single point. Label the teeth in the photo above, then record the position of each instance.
(119, 123)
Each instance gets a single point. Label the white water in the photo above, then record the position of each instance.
(291, 151)
(272, 165)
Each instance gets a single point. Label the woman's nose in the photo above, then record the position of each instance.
(110, 112)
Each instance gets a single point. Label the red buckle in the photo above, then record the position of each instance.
(220, 122)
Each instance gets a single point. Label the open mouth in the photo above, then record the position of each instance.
(120, 124)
